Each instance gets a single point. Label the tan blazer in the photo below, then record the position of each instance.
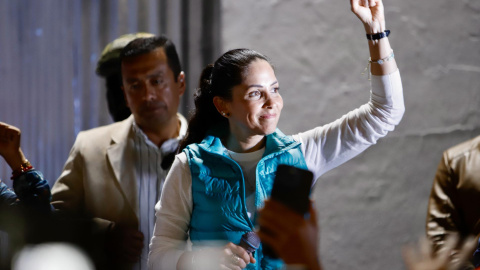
(454, 203)
(98, 183)
(98, 179)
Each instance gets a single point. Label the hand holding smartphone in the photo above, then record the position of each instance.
(292, 188)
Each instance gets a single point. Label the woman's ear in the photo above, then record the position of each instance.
(221, 106)
(181, 81)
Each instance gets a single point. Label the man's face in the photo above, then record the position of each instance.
(150, 89)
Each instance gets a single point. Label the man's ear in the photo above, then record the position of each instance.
(182, 84)
(124, 95)
(221, 106)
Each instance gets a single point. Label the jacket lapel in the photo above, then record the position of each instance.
(121, 156)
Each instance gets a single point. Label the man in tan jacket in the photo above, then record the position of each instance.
(454, 202)
(114, 174)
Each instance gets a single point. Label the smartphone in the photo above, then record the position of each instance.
(292, 187)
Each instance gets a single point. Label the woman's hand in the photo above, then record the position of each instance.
(10, 145)
(230, 256)
(371, 13)
(235, 257)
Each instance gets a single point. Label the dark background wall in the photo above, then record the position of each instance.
(48, 54)
(369, 207)
(49, 51)
(376, 203)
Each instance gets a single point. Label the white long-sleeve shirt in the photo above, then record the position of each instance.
(324, 148)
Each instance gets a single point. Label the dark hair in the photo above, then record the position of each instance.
(217, 80)
(145, 45)
(117, 106)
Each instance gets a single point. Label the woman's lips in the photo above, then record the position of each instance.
(268, 116)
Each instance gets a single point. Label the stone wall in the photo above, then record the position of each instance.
(376, 203)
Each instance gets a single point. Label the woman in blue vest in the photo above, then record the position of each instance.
(229, 157)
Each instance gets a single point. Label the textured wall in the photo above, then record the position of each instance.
(376, 203)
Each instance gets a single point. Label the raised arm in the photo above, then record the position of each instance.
(371, 14)
(29, 185)
(10, 146)
(326, 147)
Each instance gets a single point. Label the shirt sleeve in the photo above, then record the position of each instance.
(173, 214)
(33, 191)
(328, 146)
(7, 196)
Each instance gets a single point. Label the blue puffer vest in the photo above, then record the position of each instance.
(218, 189)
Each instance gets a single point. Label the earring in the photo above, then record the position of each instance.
(225, 114)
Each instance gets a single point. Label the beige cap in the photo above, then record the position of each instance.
(109, 61)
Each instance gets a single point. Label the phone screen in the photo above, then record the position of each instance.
(292, 187)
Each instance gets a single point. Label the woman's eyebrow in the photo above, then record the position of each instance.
(260, 86)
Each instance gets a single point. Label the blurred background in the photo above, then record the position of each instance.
(369, 207)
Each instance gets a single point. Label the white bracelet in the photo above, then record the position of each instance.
(380, 62)
(383, 60)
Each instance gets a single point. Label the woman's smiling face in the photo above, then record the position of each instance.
(256, 103)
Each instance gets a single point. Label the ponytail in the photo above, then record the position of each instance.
(205, 115)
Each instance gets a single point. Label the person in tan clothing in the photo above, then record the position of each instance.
(114, 174)
(455, 195)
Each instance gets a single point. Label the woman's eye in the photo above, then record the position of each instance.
(254, 94)
(276, 89)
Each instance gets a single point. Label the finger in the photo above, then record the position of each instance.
(354, 4)
(281, 222)
(376, 3)
(468, 248)
(451, 242)
(230, 267)
(252, 259)
(313, 214)
(277, 213)
(425, 248)
(270, 228)
(242, 254)
(234, 262)
(239, 256)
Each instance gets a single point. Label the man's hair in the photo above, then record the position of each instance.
(141, 46)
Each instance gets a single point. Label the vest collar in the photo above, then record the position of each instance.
(275, 143)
